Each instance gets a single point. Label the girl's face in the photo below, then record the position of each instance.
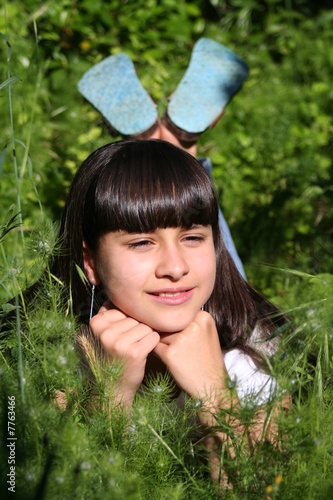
(161, 278)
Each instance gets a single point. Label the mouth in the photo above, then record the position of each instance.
(172, 296)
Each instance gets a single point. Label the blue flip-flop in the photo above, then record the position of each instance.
(113, 88)
(214, 75)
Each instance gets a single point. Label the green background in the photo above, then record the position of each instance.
(272, 151)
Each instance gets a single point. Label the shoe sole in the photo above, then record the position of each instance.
(214, 75)
(113, 88)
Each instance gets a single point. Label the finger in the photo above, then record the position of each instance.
(204, 319)
(107, 306)
(136, 333)
(111, 314)
(160, 350)
(123, 338)
(113, 322)
(124, 348)
(168, 338)
(148, 343)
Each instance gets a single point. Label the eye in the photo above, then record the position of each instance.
(194, 238)
(140, 244)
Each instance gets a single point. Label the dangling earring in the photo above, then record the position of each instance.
(203, 307)
(92, 301)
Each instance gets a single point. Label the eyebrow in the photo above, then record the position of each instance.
(122, 232)
(197, 226)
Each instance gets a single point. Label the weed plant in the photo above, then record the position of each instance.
(71, 443)
(86, 448)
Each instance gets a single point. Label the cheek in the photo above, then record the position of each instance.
(124, 279)
(115, 283)
(211, 282)
(208, 269)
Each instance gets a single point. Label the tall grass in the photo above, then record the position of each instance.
(85, 448)
(72, 444)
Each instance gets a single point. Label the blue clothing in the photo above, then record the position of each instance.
(227, 238)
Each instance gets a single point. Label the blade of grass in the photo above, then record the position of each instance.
(12, 131)
(2, 158)
(9, 81)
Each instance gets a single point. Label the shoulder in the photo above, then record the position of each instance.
(253, 385)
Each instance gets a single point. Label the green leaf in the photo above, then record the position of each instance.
(81, 274)
(2, 158)
(6, 308)
(8, 45)
(9, 81)
(12, 223)
(30, 173)
(281, 329)
(32, 182)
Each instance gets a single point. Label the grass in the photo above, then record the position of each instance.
(84, 450)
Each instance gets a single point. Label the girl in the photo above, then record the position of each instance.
(141, 221)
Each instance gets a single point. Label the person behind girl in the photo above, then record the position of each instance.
(141, 221)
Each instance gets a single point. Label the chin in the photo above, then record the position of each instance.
(171, 327)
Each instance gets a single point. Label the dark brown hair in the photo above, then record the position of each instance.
(139, 186)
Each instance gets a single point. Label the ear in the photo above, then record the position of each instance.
(89, 265)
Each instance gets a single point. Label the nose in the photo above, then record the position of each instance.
(172, 263)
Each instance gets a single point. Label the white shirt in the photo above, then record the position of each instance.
(253, 386)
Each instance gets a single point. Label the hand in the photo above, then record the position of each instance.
(194, 358)
(125, 340)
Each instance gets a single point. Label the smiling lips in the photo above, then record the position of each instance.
(173, 297)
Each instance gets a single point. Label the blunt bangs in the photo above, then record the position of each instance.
(147, 185)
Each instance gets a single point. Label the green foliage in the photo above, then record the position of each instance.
(88, 448)
(272, 155)
(273, 148)
(272, 151)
